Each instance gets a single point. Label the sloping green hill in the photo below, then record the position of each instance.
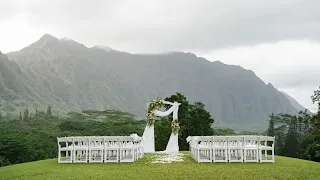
(283, 168)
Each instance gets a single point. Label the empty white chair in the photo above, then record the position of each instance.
(111, 149)
(193, 146)
(204, 151)
(251, 148)
(127, 149)
(135, 141)
(96, 149)
(140, 148)
(235, 149)
(220, 148)
(80, 149)
(65, 149)
(266, 144)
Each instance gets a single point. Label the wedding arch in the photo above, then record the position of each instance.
(152, 112)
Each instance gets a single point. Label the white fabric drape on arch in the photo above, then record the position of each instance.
(148, 135)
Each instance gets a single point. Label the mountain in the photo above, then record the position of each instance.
(70, 76)
(295, 103)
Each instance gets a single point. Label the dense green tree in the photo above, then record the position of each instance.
(249, 133)
(271, 125)
(4, 161)
(193, 120)
(310, 143)
(162, 132)
(281, 124)
(20, 116)
(49, 110)
(225, 132)
(291, 147)
(200, 121)
(316, 97)
(26, 115)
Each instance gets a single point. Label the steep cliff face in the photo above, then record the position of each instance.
(70, 76)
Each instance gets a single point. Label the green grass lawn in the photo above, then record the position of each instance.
(283, 168)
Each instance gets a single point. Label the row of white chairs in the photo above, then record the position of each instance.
(232, 148)
(100, 149)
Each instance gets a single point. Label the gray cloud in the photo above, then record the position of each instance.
(164, 25)
(233, 31)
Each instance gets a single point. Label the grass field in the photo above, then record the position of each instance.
(283, 168)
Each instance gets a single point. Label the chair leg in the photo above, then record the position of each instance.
(245, 155)
(213, 156)
(117, 155)
(241, 155)
(260, 156)
(198, 155)
(272, 155)
(86, 156)
(59, 156)
(226, 155)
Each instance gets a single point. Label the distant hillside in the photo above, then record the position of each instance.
(294, 103)
(69, 76)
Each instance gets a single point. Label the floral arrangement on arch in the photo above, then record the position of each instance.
(175, 126)
(153, 105)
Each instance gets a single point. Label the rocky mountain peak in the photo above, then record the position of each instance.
(48, 37)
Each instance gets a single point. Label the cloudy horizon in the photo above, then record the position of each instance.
(278, 40)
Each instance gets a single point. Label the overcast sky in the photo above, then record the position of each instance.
(277, 39)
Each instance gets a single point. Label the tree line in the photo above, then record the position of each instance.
(31, 137)
(297, 136)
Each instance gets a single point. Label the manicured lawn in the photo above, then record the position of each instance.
(283, 168)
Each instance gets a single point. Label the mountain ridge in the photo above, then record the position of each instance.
(71, 76)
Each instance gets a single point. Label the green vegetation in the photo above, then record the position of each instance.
(34, 137)
(283, 168)
(297, 136)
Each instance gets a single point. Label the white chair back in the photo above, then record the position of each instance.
(65, 142)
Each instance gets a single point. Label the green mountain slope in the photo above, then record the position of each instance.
(70, 76)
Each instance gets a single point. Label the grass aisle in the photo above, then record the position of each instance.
(156, 166)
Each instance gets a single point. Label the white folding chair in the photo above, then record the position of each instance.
(266, 144)
(194, 140)
(80, 149)
(204, 151)
(65, 149)
(235, 149)
(140, 148)
(96, 149)
(251, 148)
(126, 149)
(111, 149)
(220, 148)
